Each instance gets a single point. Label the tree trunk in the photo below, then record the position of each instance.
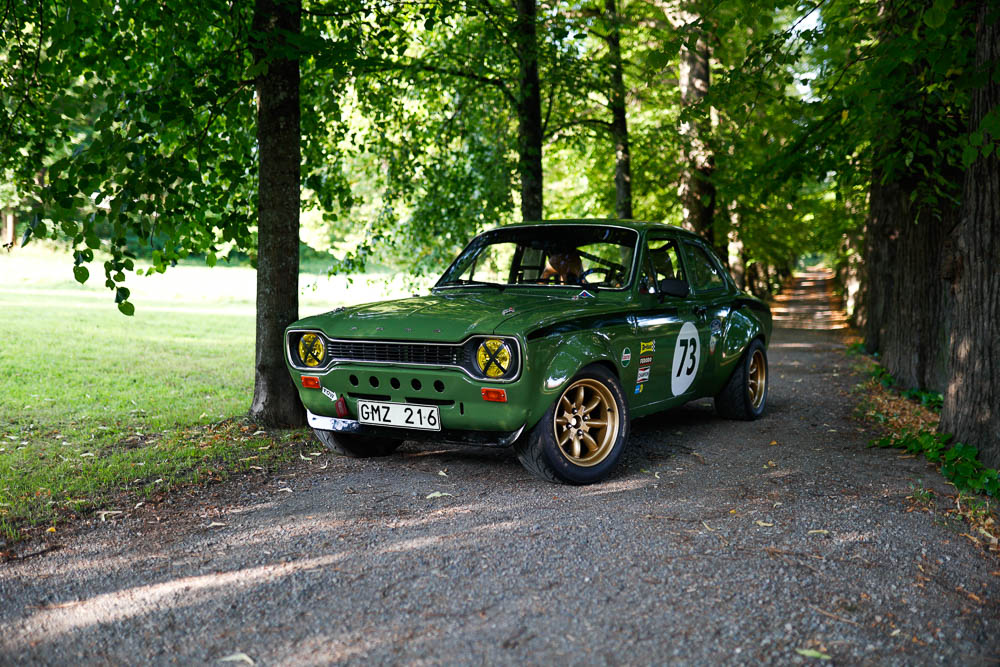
(619, 121)
(529, 112)
(275, 400)
(908, 308)
(7, 221)
(972, 402)
(697, 189)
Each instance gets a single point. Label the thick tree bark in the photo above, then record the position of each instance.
(972, 402)
(619, 120)
(275, 400)
(908, 307)
(697, 189)
(529, 112)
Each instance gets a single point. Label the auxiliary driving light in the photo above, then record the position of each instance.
(493, 358)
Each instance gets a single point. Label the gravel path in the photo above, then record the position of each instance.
(717, 541)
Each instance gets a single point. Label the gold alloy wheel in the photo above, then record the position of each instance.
(586, 422)
(757, 379)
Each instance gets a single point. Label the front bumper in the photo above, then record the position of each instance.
(478, 438)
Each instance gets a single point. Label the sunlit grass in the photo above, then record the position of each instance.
(93, 403)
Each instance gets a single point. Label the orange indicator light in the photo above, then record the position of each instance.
(310, 382)
(496, 395)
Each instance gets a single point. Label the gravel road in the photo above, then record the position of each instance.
(717, 541)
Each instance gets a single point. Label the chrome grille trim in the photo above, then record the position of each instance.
(400, 353)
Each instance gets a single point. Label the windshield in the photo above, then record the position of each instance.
(554, 255)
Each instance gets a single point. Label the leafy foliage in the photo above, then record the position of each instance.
(959, 462)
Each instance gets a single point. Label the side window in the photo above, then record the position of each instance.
(705, 273)
(662, 262)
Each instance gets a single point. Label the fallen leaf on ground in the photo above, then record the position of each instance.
(819, 531)
(304, 458)
(238, 657)
(443, 473)
(812, 653)
(285, 489)
(764, 524)
(51, 530)
(315, 453)
(774, 442)
(216, 524)
(438, 494)
(105, 514)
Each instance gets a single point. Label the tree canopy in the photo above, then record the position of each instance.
(775, 129)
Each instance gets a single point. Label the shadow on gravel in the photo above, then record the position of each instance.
(717, 541)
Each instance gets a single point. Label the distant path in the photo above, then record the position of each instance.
(717, 541)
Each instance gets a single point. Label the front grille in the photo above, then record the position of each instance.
(400, 353)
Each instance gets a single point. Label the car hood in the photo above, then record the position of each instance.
(452, 316)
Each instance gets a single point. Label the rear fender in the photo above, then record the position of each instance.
(742, 327)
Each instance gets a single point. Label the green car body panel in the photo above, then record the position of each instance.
(555, 332)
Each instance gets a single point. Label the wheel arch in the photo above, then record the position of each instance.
(567, 356)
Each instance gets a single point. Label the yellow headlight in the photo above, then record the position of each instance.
(493, 358)
(312, 350)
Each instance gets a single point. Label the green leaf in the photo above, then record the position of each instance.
(812, 653)
(126, 308)
(969, 155)
(81, 274)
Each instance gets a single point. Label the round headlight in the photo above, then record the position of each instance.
(493, 358)
(312, 350)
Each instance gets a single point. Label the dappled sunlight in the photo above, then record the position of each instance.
(120, 605)
(618, 486)
(456, 539)
(808, 302)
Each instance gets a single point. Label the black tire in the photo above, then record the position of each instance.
(357, 446)
(745, 395)
(579, 460)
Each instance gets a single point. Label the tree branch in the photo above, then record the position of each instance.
(376, 65)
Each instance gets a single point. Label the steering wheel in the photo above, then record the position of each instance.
(608, 272)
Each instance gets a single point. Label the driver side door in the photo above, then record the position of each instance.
(670, 354)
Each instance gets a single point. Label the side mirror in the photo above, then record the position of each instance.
(674, 287)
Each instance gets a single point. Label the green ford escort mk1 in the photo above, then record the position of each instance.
(548, 337)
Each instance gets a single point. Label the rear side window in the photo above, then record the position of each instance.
(703, 272)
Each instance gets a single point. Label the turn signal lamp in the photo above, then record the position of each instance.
(495, 395)
(310, 382)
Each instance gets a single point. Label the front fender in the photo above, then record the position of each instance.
(555, 360)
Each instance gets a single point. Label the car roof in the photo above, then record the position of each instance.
(638, 225)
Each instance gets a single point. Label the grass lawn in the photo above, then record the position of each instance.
(94, 404)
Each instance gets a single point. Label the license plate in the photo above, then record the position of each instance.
(400, 415)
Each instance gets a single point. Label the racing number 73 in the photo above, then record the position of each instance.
(690, 347)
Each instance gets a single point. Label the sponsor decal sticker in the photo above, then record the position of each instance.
(508, 311)
(583, 295)
(646, 348)
(638, 388)
(645, 361)
(643, 374)
(626, 357)
(332, 395)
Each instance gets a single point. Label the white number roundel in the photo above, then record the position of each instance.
(686, 357)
